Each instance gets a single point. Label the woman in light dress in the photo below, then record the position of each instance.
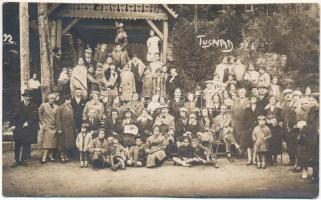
(152, 46)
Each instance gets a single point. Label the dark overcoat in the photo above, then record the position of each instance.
(65, 123)
(29, 114)
(78, 109)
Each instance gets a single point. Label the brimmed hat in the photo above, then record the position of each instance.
(286, 91)
(261, 117)
(297, 92)
(85, 125)
(301, 124)
(183, 110)
(94, 92)
(27, 93)
(164, 106)
(262, 86)
(88, 50)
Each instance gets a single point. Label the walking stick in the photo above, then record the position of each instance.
(282, 145)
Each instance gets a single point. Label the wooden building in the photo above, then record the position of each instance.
(77, 26)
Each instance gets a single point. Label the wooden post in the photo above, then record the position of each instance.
(45, 50)
(59, 31)
(24, 45)
(165, 40)
(53, 34)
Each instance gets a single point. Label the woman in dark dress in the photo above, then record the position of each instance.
(65, 128)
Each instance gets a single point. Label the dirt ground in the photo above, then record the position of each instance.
(230, 180)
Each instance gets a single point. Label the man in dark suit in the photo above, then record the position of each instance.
(78, 104)
(94, 123)
(26, 125)
(57, 65)
(89, 59)
(113, 124)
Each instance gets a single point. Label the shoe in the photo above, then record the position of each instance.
(67, 159)
(95, 169)
(258, 165)
(63, 160)
(86, 164)
(15, 164)
(43, 161)
(230, 159)
(297, 170)
(81, 164)
(113, 168)
(248, 163)
(263, 166)
(52, 159)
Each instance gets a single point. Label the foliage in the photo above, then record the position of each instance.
(286, 29)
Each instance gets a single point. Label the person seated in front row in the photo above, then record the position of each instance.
(203, 155)
(222, 127)
(117, 155)
(137, 155)
(185, 155)
(98, 150)
(155, 148)
(171, 148)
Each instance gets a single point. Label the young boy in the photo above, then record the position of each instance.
(203, 155)
(98, 149)
(83, 143)
(171, 148)
(117, 155)
(185, 155)
(261, 134)
(136, 155)
(275, 89)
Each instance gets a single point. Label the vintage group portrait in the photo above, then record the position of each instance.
(160, 100)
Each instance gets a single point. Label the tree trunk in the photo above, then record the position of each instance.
(24, 45)
(45, 50)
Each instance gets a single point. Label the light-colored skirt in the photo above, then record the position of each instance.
(49, 140)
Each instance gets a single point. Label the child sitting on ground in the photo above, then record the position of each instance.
(83, 143)
(171, 148)
(185, 154)
(98, 149)
(261, 134)
(136, 155)
(203, 155)
(117, 155)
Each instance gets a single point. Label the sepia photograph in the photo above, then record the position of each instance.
(160, 100)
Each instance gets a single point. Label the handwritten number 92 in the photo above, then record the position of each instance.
(7, 39)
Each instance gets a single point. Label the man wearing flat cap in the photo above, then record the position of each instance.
(26, 123)
(263, 99)
(288, 116)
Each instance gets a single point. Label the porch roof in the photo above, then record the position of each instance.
(114, 11)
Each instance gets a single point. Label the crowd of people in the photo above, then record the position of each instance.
(114, 111)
